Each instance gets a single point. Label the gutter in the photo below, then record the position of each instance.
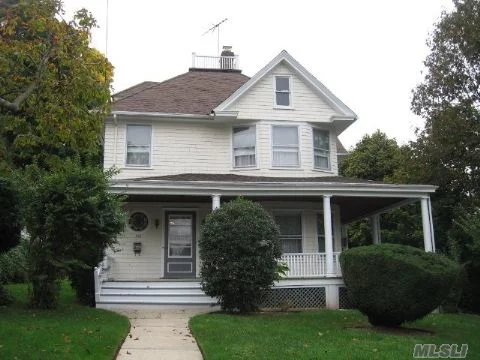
(163, 115)
(271, 188)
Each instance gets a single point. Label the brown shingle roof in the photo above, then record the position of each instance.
(134, 90)
(195, 92)
(340, 148)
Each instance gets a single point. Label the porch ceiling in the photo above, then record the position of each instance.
(351, 207)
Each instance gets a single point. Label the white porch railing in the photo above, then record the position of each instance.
(309, 264)
(100, 274)
(215, 62)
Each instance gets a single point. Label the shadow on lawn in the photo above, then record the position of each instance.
(402, 331)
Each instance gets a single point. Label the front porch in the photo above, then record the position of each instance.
(311, 214)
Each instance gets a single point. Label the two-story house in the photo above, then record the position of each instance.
(185, 145)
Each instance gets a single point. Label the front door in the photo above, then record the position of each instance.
(180, 244)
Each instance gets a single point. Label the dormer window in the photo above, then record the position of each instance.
(283, 91)
(139, 139)
(321, 149)
(244, 140)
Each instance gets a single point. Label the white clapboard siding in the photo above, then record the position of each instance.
(191, 147)
(258, 102)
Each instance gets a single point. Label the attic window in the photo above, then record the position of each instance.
(282, 91)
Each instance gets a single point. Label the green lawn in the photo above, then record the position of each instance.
(70, 332)
(324, 334)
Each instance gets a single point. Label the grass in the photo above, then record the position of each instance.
(72, 331)
(324, 334)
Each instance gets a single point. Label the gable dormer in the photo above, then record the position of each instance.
(285, 90)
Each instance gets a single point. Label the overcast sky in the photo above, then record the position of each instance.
(369, 53)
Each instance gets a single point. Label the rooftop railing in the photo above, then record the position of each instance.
(215, 62)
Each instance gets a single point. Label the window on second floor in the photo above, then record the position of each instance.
(321, 149)
(285, 146)
(290, 225)
(139, 139)
(282, 91)
(244, 140)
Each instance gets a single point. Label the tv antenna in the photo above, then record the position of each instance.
(212, 29)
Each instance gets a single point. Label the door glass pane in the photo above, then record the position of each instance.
(180, 236)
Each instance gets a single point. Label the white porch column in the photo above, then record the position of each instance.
(331, 296)
(377, 237)
(327, 223)
(428, 237)
(215, 201)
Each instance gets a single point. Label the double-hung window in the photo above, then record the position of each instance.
(321, 233)
(321, 149)
(285, 146)
(244, 140)
(290, 225)
(282, 91)
(139, 149)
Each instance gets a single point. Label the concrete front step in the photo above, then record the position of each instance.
(162, 293)
(152, 291)
(166, 300)
(151, 284)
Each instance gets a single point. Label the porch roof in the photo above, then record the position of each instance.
(356, 198)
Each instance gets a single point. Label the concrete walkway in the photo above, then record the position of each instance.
(161, 335)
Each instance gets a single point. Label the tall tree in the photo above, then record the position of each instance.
(447, 151)
(54, 88)
(449, 101)
(72, 219)
(377, 157)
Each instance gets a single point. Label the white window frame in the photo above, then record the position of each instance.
(255, 166)
(136, 166)
(290, 92)
(273, 165)
(302, 225)
(329, 151)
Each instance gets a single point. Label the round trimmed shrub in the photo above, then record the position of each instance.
(393, 283)
(239, 250)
